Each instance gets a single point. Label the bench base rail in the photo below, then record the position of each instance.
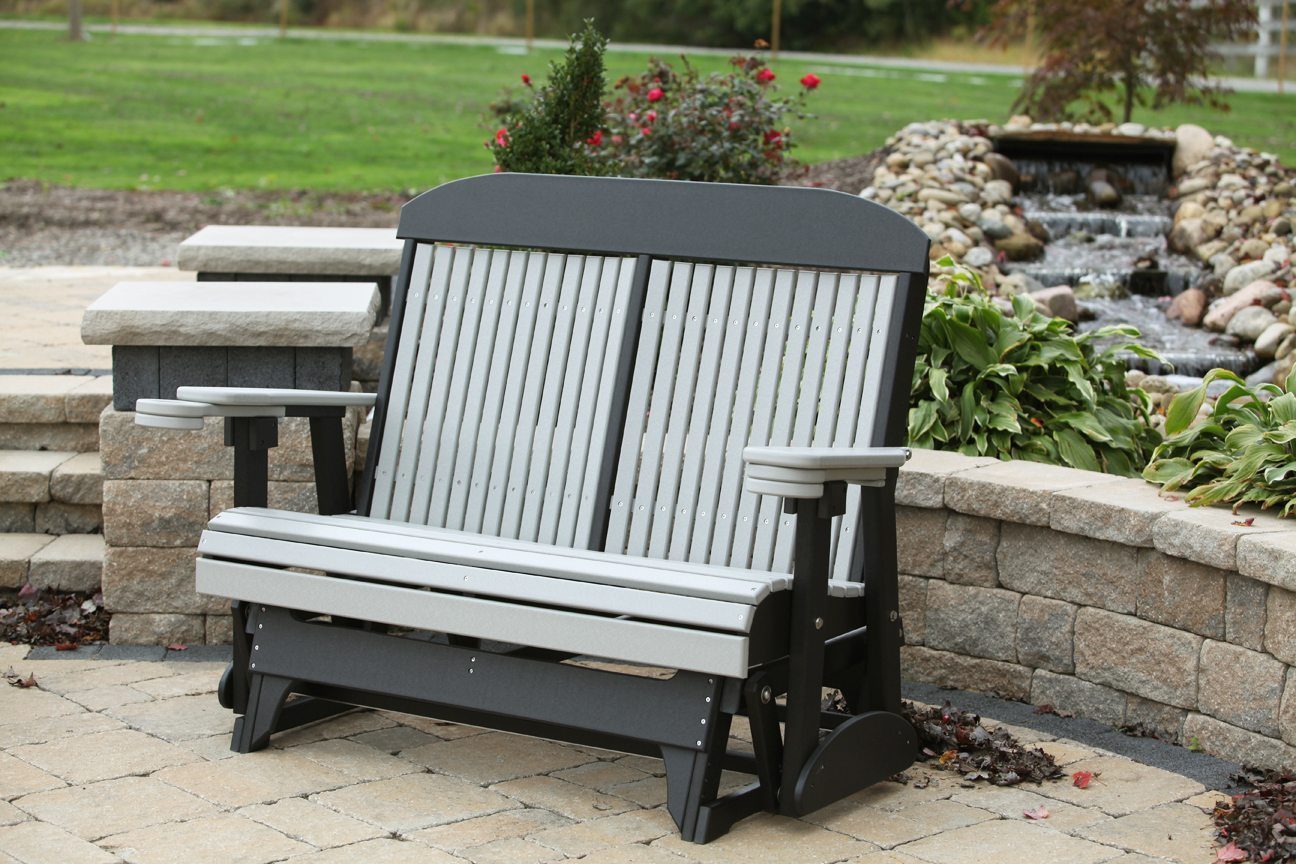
(330, 667)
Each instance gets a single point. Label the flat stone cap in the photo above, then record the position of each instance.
(233, 314)
(304, 251)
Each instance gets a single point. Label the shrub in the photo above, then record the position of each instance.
(546, 134)
(1243, 451)
(1024, 386)
(724, 127)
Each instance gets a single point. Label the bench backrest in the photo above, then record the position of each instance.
(598, 394)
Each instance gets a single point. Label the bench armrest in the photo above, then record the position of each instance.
(801, 472)
(256, 396)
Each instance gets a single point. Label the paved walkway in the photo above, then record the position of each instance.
(120, 758)
(41, 329)
(916, 65)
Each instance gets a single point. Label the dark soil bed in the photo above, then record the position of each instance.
(44, 225)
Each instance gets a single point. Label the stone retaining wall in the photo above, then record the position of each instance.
(160, 488)
(1097, 596)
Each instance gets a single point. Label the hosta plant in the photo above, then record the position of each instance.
(1242, 452)
(1024, 385)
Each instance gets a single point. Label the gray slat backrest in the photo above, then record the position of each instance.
(732, 356)
(499, 378)
(599, 394)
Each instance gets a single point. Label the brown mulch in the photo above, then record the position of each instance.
(955, 740)
(43, 224)
(1259, 824)
(64, 620)
(851, 175)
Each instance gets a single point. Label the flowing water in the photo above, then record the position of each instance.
(1118, 261)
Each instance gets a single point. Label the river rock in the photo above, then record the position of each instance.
(1254, 249)
(944, 196)
(1188, 306)
(1188, 210)
(1187, 235)
(997, 192)
(1058, 302)
(1266, 345)
(1020, 247)
(1267, 374)
(993, 226)
(1249, 323)
(1193, 185)
(1192, 145)
(1133, 130)
(969, 212)
(1277, 255)
(1282, 227)
(1019, 283)
(1257, 293)
(1244, 274)
(1002, 168)
(1286, 347)
(978, 257)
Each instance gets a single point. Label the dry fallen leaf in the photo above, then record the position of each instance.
(1040, 812)
(1231, 852)
(1082, 779)
(1245, 523)
(176, 646)
(15, 679)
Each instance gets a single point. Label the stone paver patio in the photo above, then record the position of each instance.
(125, 759)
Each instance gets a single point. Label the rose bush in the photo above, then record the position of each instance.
(726, 127)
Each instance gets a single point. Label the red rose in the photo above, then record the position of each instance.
(650, 116)
(766, 75)
(502, 137)
(773, 136)
(655, 94)
(810, 81)
(644, 130)
(596, 139)
(526, 79)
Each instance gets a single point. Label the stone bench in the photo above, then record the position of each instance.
(240, 334)
(242, 253)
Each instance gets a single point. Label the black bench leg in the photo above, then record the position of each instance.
(265, 702)
(693, 776)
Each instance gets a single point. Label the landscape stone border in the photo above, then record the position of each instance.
(1097, 595)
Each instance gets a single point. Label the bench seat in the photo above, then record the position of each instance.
(689, 616)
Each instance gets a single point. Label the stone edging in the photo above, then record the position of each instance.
(1094, 594)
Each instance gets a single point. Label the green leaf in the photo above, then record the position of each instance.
(1085, 423)
(1183, 409)
(936, 379)
(1075, 450)
(970, 345)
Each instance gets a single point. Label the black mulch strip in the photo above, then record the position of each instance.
(1260, 823)
(64, 621)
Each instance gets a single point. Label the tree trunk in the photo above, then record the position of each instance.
(75, 33)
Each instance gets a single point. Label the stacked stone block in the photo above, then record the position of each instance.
(1098, 596)
(160, 488)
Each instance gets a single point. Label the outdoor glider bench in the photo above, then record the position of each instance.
(616, 417)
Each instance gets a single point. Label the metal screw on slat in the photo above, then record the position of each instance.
(894, 615)
(818, 623)
(767, 693)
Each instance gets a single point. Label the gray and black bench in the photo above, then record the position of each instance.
(651, 422)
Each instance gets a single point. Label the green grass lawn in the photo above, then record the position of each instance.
(206, 113)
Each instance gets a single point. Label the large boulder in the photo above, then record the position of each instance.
(1244, 274)
(1249, 323)
(1020, 247)
(1192, 145)
(1188, 306)
(1259, 293)
(1059, 302)
(1002, 168)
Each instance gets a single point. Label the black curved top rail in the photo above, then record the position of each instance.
(668, 219)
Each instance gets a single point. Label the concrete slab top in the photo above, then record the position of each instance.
(292, 250)
(228, 314)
